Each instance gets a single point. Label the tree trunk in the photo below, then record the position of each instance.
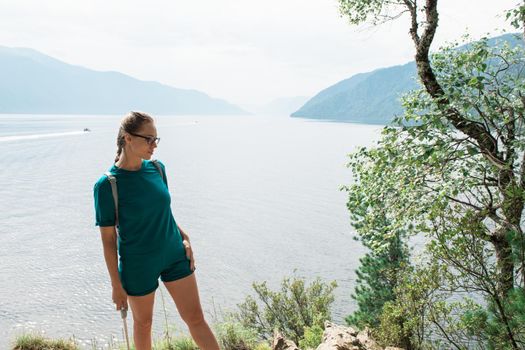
(504, 263)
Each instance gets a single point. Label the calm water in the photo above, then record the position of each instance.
(258, 196)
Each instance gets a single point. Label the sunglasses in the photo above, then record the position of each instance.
(149, 139)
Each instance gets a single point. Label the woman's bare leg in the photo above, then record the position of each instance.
(186, 297)
(142, 309)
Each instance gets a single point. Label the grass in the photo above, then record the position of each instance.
(177, 343)
(229, 336)
(38, 342)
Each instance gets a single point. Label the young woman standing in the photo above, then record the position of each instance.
(149, 242)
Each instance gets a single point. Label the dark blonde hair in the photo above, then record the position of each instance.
(131, 123)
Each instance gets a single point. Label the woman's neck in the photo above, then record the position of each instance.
(129, 164)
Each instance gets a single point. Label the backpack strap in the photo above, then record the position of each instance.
(157, 165)
(113, 181)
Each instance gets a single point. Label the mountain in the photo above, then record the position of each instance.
(282, 106)
(34, 83)
(371, 97)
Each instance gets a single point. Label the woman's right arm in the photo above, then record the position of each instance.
(109, 243)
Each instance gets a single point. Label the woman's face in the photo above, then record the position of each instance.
(138, 145)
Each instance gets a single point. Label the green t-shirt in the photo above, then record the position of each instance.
(146, 223)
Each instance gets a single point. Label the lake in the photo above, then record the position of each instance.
(259, 197)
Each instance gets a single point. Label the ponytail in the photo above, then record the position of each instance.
(120, 143)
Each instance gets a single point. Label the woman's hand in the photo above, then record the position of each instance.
(189, 253)
(120, 297)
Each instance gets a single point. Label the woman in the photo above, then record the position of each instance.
(149, 242)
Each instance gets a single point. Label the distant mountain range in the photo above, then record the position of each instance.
(34, 83)
(371, 97)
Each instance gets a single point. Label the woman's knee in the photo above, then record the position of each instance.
(142, 309)
(194, 318)
(143, 323)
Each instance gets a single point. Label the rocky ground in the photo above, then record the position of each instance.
(336, 337)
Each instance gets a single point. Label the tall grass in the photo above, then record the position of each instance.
(32, 341)
(166, 326)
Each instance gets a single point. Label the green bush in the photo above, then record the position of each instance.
(234, 336)
(262, 346)
(289, 310)
(313, 336)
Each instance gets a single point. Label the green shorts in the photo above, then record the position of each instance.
(139, 274)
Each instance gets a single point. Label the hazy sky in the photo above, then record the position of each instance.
(245, 51)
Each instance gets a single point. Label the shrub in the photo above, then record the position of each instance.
(313, 336)
(234, 336)
(289, 310)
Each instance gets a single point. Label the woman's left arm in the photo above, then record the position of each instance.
(183, 234)
(187, 246)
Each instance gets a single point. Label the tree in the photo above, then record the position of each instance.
(377, 275)
(495, 142)
(458, 174)
(428, 179)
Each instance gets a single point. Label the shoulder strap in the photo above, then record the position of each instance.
(113, 181)
(157, 165)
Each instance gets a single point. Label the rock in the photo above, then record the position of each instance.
(337, 337)
(365, 339)
(279, 343)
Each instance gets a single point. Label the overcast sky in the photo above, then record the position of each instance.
(245, 51)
